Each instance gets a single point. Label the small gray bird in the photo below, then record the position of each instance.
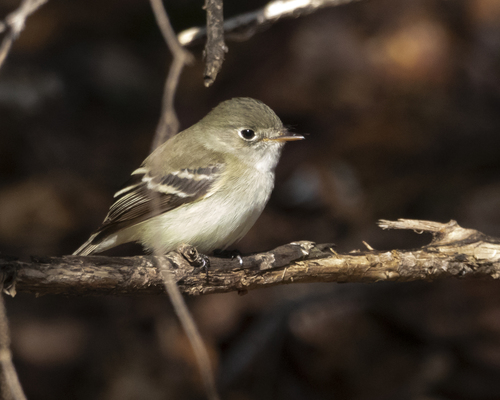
(206, 186)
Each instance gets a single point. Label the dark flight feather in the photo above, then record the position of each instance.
(144, 196)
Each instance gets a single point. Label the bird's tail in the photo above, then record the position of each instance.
(87, 248)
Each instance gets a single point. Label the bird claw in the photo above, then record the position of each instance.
(196, 259)
(205, 264)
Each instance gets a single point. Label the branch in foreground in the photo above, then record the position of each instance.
(167, 127)
(245, 25)
(215, 47)
(454, 252)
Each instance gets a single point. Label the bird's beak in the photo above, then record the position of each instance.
(286, 137)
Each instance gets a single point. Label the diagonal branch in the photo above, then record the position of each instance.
(167, 127)
(169, 124)
(454, 252)
(243, 26)
(10, 387)
(14, 24)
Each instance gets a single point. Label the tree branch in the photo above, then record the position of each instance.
(243, 26)
(168, 125)
(10, 386)
(215, 47)
(454, 252)
(14, 24)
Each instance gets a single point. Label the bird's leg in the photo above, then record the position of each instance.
(194, 257)
(232, 254)
(205, 263)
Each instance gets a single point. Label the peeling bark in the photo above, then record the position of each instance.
(453, 252)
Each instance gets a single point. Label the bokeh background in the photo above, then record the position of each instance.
(401, 101)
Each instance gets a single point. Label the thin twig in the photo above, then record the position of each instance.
(168, 126)
(10, 381)
(15, 22)
(10, 386)
(191, 330)
(245, 25)
(215, 47)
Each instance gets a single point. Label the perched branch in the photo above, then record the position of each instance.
(14, 24)
(215, 47)
(454, 252)
(245, 25)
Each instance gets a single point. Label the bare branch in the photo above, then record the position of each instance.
(10, 386)
(454, 252)
(169, 124)
(190, 328)
(167, 127)
(443, 233)
(14, 23)
(245, 25)
(215, 47)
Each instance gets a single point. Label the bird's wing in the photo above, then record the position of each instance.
(147, 195)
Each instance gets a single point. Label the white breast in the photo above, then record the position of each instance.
(214, 222)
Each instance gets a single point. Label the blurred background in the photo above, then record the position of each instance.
(401, 103)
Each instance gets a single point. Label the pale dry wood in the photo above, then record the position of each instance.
(243, 26)
(14, 24)
(454, 252)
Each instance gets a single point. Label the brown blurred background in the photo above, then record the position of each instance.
(401, 99)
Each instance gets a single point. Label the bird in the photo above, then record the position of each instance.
(205, 186)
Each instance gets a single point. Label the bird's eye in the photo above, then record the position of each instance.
(247, 134)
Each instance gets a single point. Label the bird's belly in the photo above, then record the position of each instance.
(212, 223)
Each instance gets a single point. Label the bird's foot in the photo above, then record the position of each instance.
(195, 258)
(205, 266)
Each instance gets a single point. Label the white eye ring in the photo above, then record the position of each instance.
(247, 134)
